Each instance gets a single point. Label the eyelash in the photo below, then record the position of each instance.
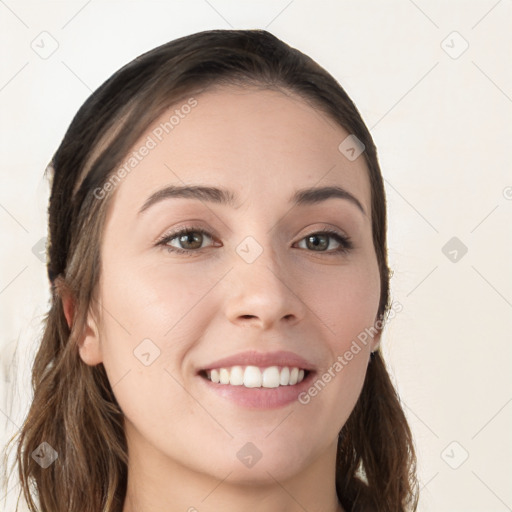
(345, 242)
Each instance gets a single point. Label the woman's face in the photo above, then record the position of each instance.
(263, 285)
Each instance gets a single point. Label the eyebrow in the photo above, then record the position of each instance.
(306, 196)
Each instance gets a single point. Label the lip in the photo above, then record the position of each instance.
(258, 398)
(262, 360)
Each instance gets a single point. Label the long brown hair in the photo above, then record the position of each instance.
(74, 409)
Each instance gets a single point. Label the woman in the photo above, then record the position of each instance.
(218, 261)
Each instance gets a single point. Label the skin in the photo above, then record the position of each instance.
(183, 440)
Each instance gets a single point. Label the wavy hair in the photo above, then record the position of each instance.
(74, 409)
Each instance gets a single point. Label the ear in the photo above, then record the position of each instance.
(89, 346)
(376, 339)
(68, 305)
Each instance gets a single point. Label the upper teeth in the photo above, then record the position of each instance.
(254, 377)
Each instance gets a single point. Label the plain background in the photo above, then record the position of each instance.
(433, 82)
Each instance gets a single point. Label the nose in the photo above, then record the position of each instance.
(263, 293)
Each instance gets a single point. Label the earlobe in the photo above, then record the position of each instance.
(375, 343)
(376, 339)
(89, 345)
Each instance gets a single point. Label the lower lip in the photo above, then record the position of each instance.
(259, 398)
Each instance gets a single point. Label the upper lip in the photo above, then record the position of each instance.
(262, 359)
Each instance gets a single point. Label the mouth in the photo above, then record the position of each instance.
(257, 387)
(255, 376)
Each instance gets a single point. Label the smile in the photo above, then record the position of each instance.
(255, 377)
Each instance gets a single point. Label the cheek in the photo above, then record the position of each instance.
(145, 335)
(150, 321)
(346, 302)
(348, 315)
(155, 302)
(347, 307)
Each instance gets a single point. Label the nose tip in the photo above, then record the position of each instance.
(263, 297)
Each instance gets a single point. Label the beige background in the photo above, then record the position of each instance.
(440, 114)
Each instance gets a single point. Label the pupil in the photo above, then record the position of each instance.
(189, 238)
(316, 237)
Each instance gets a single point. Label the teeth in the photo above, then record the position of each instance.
(224, 376)
(237, 376)
(254, 377)
(270, 377)
(284, 378)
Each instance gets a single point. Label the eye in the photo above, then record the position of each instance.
(190, 240)
(319, 242)
(189, 237)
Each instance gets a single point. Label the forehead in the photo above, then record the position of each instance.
(261, 142)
